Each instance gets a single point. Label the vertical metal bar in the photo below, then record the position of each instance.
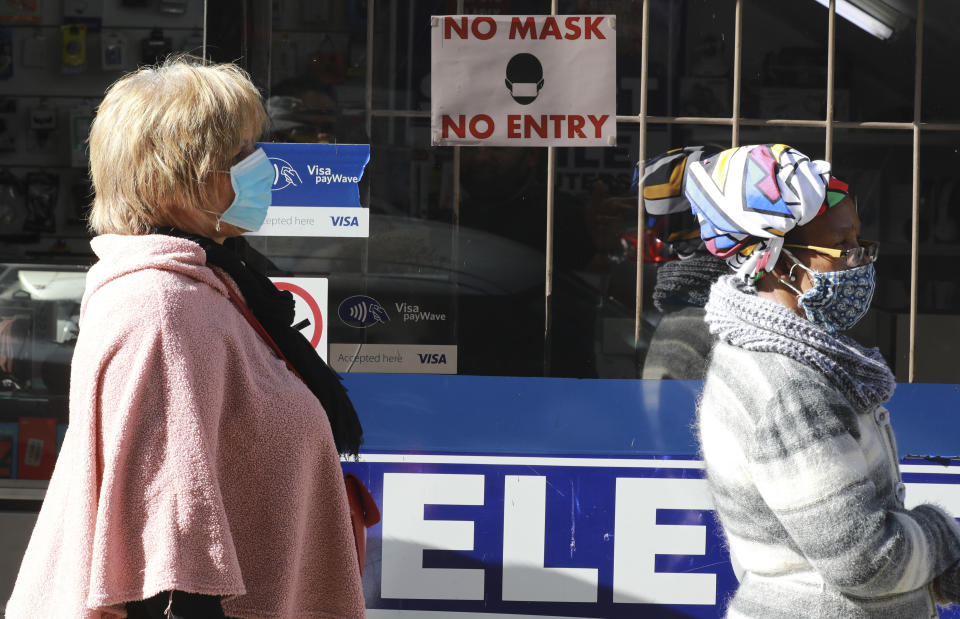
(368, 99)
(408, 124)
(456, 187)
(455, 248)
(204, 45)
(548, 249)
(456, 169)
(915, 214)
(368, 105)
(392, 68)
(831, 53)
(671, 64)
(245, 34)
(644, 68)
(737, 47)
(258, 48)
(455, 244)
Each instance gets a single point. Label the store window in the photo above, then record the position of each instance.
(460, 257)
(56, 61)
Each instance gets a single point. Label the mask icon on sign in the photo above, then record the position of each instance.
(524, 78)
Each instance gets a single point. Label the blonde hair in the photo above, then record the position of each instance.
(159, 134)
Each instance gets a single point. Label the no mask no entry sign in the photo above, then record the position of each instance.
(514, 80)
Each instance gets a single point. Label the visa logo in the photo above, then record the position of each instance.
(432, 358)
(342, 221)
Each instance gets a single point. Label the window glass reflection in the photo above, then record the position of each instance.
(938, 294)
(785, 61)
(940, 26)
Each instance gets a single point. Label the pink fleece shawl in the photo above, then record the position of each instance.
(194, 459)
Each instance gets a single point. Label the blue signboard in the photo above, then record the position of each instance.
(316, 190)
(525, 497)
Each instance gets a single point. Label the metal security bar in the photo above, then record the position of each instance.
(737, 71)
(831, 63)
(915, 215)
(735, 122)
(642, 148)
(548, 249)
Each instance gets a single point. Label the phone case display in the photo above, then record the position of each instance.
(74, 48)
(43, 124)
(42, 190)
(6, 53)
(173, 7)
(8, 449)
(8, 125)
(113, 46)
(155, 48)
(36, 447)
(81, 117)
(12, 208)
(57, 58)
(21, 11)
(86, 12)
(16, 326)
(35, 51)
(39, 316)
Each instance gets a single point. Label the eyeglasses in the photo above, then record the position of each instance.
(855, 256)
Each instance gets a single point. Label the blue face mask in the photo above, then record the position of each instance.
(838, 299)
(252, 181)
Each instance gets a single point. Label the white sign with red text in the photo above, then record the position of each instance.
(310, 297)
(515, 80)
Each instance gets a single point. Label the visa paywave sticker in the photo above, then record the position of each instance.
(394, 358)
(316, 190)
(361, 311)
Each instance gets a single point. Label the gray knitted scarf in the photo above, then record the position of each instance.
(686, 282)
(738, 316)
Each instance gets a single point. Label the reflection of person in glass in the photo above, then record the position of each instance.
(799, 451)
(304, 109)
(200, 474)
(504, 192)
(681, 344)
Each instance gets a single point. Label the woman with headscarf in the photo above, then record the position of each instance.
(799, 452)
(200, 475)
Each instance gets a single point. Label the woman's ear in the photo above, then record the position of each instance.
(781, 270)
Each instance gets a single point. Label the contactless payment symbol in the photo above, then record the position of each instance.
(310, 306)
(361, 311)
(284, 174)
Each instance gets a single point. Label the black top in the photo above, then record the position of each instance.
(177, 605)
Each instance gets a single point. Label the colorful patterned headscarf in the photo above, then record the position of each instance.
(662, 181)
(747, 199)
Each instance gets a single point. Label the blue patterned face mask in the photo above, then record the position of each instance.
(838, 299)
(252, 181)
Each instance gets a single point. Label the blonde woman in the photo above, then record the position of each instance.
(200, 474)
